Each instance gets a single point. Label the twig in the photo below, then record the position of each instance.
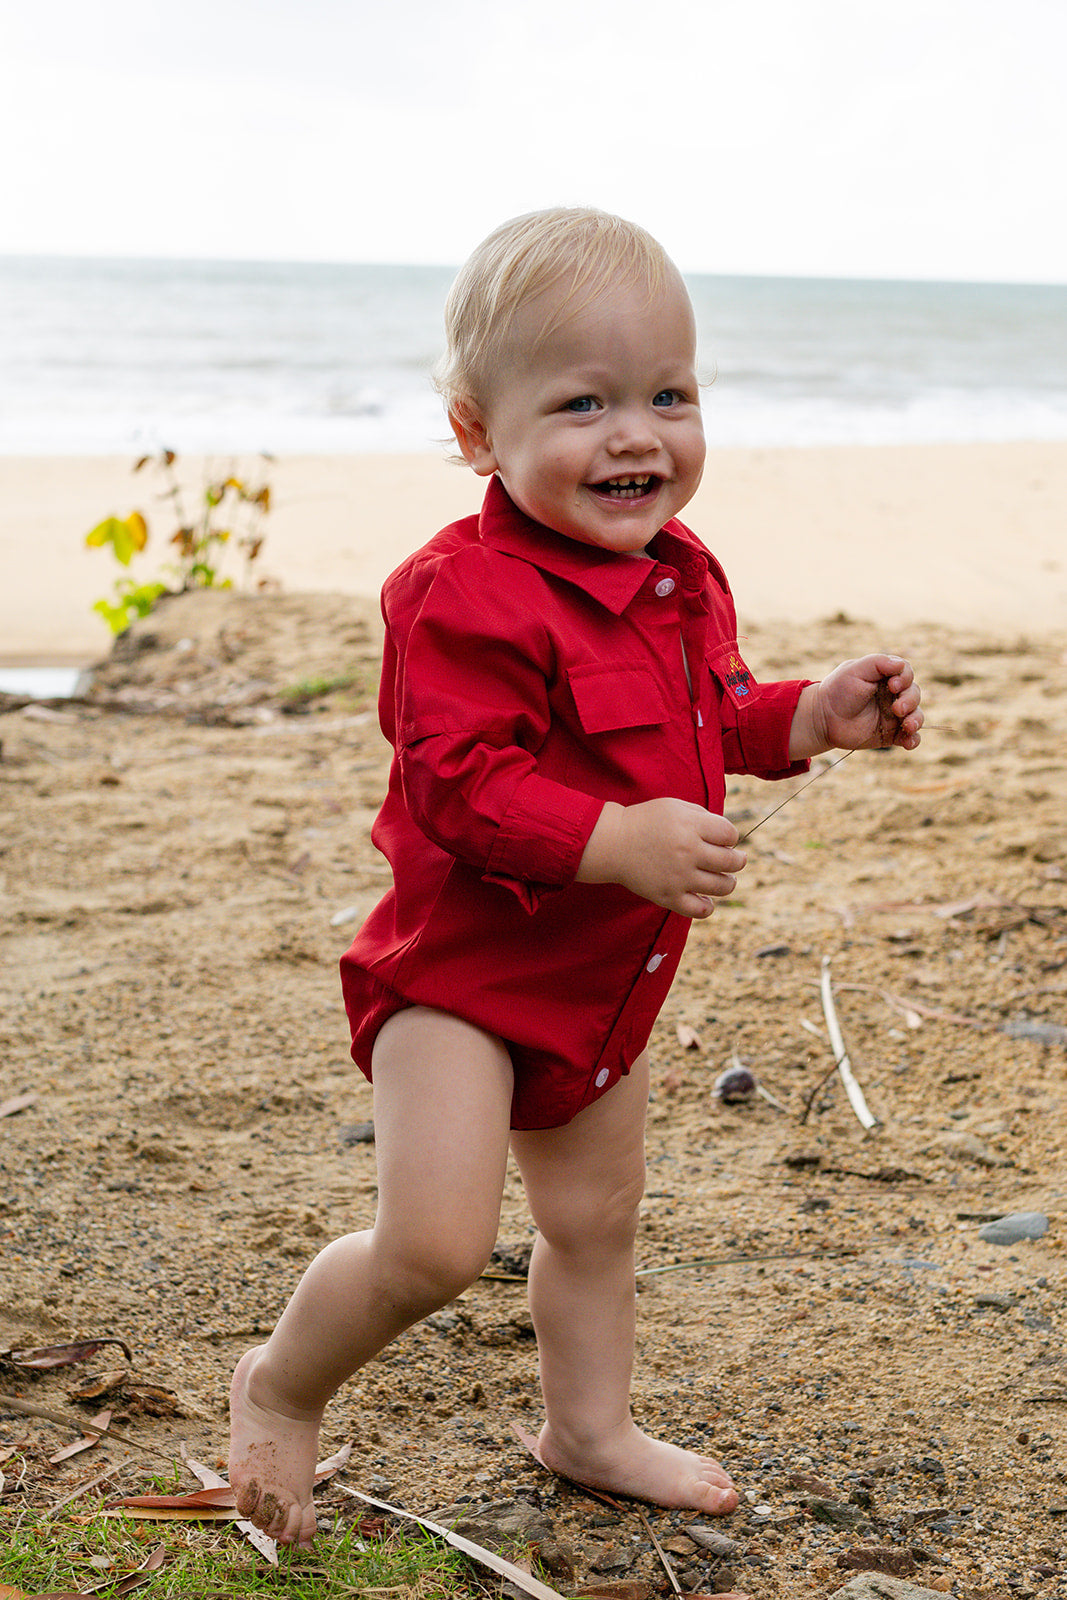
(837, 1044)
(668, 1569)
(10, 1402)
(796, 793)
(734, 1261)
(87, 1488)
(810, 1099)
(920, 1009)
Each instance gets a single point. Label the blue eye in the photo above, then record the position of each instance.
(582, 404)
(666, 397)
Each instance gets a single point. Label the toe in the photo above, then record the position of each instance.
(720, 1499)
(247, 1499)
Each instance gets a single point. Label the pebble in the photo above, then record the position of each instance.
(718, 1544)
(880, 1586)
(357, 1133)
(873, 1558)
(1014, 1228)
(1042, 1032)
(835, 1512)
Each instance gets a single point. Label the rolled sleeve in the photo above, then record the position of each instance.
(541, 837)
(755, 737)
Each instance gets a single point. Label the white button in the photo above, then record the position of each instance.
(602, 1077)
(664, 587)
(655, 962)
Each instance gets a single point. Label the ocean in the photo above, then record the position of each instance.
(123, 357)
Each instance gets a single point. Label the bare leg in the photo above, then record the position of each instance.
(584, 1183)
(442, 1099)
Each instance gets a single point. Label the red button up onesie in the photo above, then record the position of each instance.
(528, 678)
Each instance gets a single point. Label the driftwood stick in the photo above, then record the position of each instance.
(27, 1408)
(837, 1044)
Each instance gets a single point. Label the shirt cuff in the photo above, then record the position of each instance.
(541, 839)
(762, 732)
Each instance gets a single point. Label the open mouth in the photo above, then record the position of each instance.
(634, 487)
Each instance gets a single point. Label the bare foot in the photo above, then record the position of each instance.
(273, 1455)
(633, 1464)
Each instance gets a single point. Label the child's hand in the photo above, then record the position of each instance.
(868, 704)
(671, 852)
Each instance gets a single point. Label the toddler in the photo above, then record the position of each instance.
(563, 690)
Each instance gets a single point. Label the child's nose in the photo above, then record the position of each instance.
(633, 433)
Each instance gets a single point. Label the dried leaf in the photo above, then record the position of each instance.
(199, 1500)
(486, 1558)
(63, 1355)
(147, 1399)
(151, 1563)
(688, 1037)
(96, 1388)
(10, 1108)
(86, 1441)
(171, 1514)
(213, 1502)
(262, 1542)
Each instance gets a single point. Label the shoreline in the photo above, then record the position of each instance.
(968, 535)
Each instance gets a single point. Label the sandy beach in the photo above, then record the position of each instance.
(187, 852)
(969, 535)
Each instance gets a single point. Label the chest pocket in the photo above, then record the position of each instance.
(611, 697)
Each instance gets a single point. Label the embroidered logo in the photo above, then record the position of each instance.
(738, 678)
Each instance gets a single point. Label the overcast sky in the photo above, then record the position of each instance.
(896, 138)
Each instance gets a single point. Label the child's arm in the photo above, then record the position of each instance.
(671, 852)
(846, 711)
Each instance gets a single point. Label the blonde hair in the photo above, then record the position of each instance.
(583, 247)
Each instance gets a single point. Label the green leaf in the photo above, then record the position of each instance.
(125, 535)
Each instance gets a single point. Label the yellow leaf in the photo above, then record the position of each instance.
(138, 529)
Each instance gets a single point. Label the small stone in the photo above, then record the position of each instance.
(718, 1544)
(882, 1586)
(1042, 1032)
(835, 1512)
(966, 1147)
(809, 1484)
(871, 1558)
(357, 1133)
(612, 1559)
(723, 1581)
(1015, 1228)
(995, 1302)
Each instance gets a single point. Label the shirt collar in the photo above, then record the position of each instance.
(612, 580)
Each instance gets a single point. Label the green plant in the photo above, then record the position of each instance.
(230, 514)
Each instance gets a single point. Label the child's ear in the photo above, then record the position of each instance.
(472, 436)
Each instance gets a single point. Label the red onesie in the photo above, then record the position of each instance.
(527, 678)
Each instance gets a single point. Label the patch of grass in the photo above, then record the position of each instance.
(360, 682)
(211, 1561)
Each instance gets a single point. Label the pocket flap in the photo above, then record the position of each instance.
(610, 697)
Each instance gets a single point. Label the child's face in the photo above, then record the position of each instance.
(596, 431)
